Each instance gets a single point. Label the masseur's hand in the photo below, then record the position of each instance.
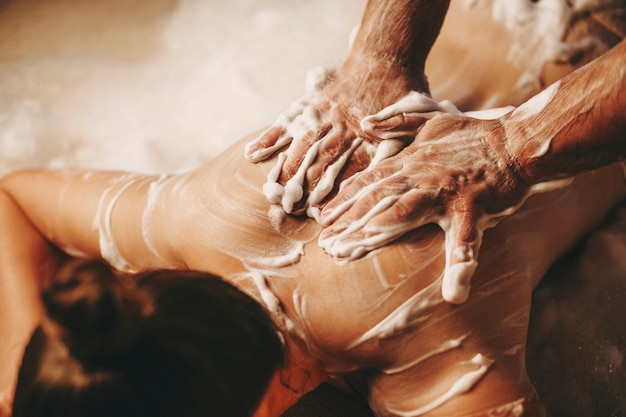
(320, 132)
(456, 173)
(330, 135)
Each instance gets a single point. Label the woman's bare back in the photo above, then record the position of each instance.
(384, 312)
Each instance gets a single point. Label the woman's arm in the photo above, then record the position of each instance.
(27, 260)
(117, 216)
(130, 220)
(89, 214)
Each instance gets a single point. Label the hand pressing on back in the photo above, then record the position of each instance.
(330, 132)
(460, 172)
(457, 173)
(364, 118)
(465, 173)
(332, 128)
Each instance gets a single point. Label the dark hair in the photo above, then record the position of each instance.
(163, 343)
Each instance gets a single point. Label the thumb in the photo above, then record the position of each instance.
(463, 239)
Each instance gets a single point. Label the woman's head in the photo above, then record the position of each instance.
(164, 343)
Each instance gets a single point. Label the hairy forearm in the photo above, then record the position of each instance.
(576, 124)
(400, 31)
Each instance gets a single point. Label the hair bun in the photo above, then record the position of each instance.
(99, 313)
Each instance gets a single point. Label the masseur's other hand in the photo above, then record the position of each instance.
(329, 135)
(456, 173)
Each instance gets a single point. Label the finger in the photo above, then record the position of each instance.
(413, 102)
(463, 240)
(372, 229)
(334, 133)
(359, 161)
(272, 189)
(299, 149)
(403, 117)
(336, 142)
(269, 142)
(289, 124)
(300, 157)
(367, 203)
(387, 148)
(399, 126)
(325, 181)
(351, 239)
(294, 187)
(415, 208)
(380, 179)
(339, 174)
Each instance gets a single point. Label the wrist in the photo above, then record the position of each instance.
(403, 31)
(377, 80)
(506, 153)
(387, 61)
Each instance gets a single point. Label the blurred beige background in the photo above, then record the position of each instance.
(153, 84)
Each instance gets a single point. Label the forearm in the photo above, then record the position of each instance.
(27, 261)
(388, 54)
(576, 124)
(402, 31)
(121, 217)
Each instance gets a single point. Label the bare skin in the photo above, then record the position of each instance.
(394, 52)
(29, 258)
(465, 192)
(187, 239)
(26, 262)
(333, 315)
